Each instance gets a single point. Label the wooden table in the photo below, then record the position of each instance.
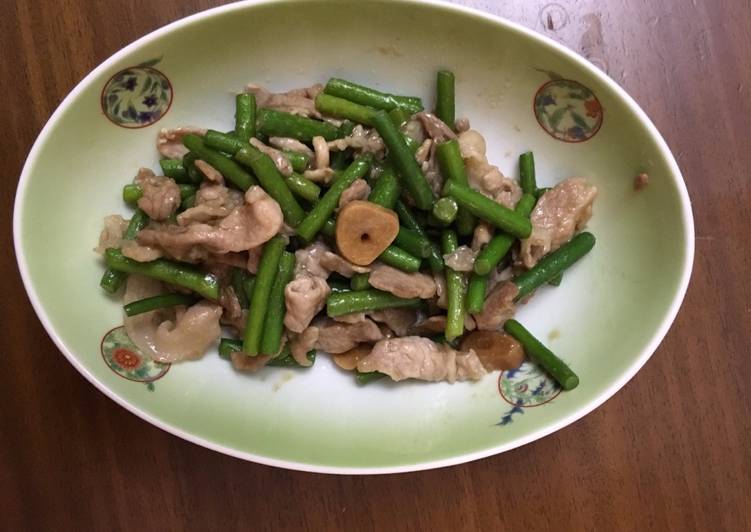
(671, 451)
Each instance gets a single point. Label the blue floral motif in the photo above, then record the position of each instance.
(145, 116)
(547, 99)
(130, 83)
(524, 387)
(508, 416)
(539, 389)
(137, 96)
(576, 132)
(511, 372)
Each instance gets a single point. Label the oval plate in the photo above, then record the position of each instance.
(521, 90)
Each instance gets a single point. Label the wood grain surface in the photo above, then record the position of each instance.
(671, 451)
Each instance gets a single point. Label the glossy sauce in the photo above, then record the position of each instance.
(496, 350)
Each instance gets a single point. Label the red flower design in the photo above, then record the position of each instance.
(593, 107)
(126, 359)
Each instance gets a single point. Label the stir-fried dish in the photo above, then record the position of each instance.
(344, 220)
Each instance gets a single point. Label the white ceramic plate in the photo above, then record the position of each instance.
(521, 90)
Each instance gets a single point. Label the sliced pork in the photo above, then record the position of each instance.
(161, 195)
(402, 284)
(558, 215)
(414, 357)
(246, 227)
(169, 142)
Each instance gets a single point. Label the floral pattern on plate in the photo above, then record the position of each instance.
(137, 96)
(567, 110)
(525, 387)
(124, 358)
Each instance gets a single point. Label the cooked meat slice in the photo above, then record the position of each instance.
(482, 175)
(318, 260)
(437, 325)
(235, 259)
(472, 145)
(336, 122)
(312, 91)
(498, 276)
(280, 161)
(354, 317)
(233, 315)
(413, 128)
(468, 366)
(140, 287)
(435, 128)
(398, 320)
(321, 150)
(161, 195)
(211, 173)
(164, 336)
(499, 306)
(482, 235)
(319, 175)
(219, 196)
(286, 143)
(297, 102)
(133, 250)
(440, 289)
(558, 215)
(308, 260)
(414, 357)
(489, 180)
(254, 259)
(358, 190)
(141, 329)
(201, 214)
(112, 233)
(190, 336)
(362, 139)
(402, 284)
(212, 202)
(429, 326)
(460, 260)
(423, 152)
(461, 124)
(336, 337)
(169, 142)
(304, 297)
(432, 170)
(302, 343)
(244, 228)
